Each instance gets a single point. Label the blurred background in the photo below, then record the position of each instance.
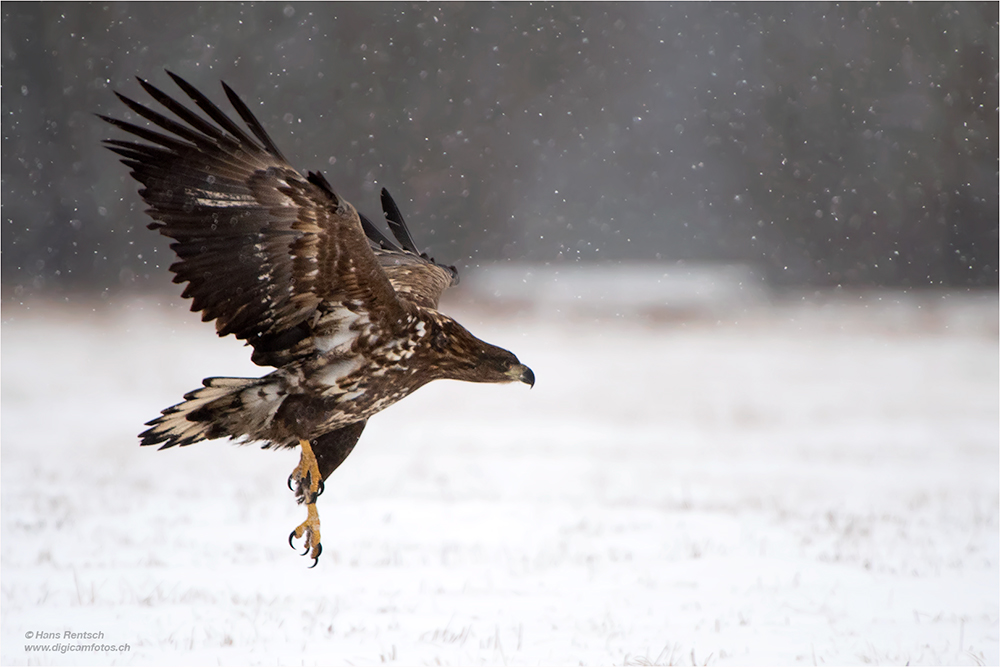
(819, 144)
(749, 250)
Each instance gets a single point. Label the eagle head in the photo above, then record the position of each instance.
(461, 356)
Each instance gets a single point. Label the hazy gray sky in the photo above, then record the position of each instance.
(850, 144)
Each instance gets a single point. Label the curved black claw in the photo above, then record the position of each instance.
(319, 491)
(319, 552)
(291, 543)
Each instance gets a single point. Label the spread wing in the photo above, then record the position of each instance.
(415, 276)
(262, 249)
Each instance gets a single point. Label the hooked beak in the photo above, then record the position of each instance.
(522, 373)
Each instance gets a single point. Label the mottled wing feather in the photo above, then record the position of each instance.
(415, 276)
(415, 279)
(261, 248)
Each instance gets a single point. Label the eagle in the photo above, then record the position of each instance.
(347, 319)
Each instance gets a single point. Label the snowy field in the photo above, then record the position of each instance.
(792, 482)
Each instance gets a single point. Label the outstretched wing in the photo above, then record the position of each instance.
(261, 248)
(415, 276)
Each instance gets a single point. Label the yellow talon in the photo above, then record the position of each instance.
(309, 484)
(310, 529)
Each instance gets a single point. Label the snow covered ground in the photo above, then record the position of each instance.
(792, 482)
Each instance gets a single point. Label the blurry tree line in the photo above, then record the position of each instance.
(851, 144)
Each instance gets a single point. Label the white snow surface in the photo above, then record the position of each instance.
(797, 482)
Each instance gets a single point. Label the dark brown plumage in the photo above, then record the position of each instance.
(347, 318)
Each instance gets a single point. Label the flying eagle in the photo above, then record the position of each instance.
(347, 318)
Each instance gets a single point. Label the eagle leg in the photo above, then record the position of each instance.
(308, 481)
(310, 485)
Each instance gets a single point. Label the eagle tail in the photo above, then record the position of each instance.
(224, 408)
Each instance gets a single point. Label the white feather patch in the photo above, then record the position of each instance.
(338, 370)
(351, 395)
(348, 328)
(215, 199)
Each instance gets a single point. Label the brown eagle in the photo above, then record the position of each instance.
(347, 318)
